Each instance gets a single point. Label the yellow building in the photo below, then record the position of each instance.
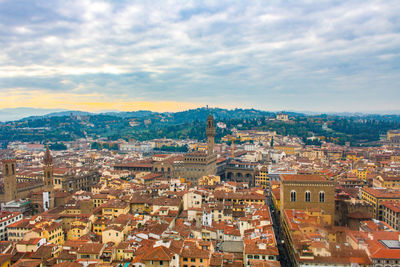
(100, 199)
(361, 173)
(125, 252)
(114, 208)
(209, 180)
(376, 196)
(288, 149)
(99, 225)
(195, 253)
(50, 230)
(78, 229)
(262, 178)
(387, 181)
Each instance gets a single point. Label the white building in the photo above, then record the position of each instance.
(7, 218)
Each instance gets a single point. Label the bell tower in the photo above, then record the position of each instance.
(48, 180)
(210, 132)
(10, 179)
(48, 171)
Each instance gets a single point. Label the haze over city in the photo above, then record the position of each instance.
(324, 56)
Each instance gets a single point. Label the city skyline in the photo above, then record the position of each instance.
(173, 56)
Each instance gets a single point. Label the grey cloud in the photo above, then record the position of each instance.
(291, 52)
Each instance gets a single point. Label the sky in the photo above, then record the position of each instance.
(324, 56)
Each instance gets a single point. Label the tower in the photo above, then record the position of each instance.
(10, 179)
(48, 179)
(48, 171)
(210, 132)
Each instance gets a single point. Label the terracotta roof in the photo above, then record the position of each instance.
(90, 248)
(159, 253)
(382, 192)
(394, 206)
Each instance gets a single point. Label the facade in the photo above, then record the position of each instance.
(393, 137)
(262, 178)
(391, 214)
(282, 117)
(199, 164)
(7, 218)
(300, 191)
(10, 179)
(376, 196)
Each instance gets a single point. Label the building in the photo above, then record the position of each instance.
(209, 180)
(7, 218)
(301, 191)
(376, 196)
(391, 214)
(48, 180)
(48, 174)
(198, 164)
(312, 241)
(10, 179)
(393, 137)
(22, 205)
(389, 181)
(282, 117)
(262, 178)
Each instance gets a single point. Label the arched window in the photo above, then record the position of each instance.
(293, 196)
(155, 169)
(307, 196)
(6, 172)
(322, 196)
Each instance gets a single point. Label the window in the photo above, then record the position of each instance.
(293, 196)
(308, 196)
(161, 262)
(193, 260)
(322, 196)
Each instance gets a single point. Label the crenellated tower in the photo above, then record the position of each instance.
(210, 132)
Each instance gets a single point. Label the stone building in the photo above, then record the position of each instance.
(198, 164)
(302, 192)
(10, 179)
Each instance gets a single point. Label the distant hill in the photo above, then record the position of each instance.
(59, 126)
(12, 114)
(60, 114)
(131, 114)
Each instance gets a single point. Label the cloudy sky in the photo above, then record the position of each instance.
(172, 55)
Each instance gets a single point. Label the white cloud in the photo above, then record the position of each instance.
(234, 49)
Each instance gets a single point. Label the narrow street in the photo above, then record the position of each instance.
(284, 258)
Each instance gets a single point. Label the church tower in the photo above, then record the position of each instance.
(10, 179)
(210, 132)
(48, 171)
(48, 179)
